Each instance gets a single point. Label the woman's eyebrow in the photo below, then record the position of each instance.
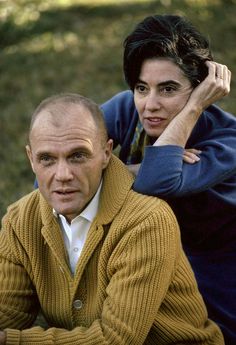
(169, 82)
(162, 83)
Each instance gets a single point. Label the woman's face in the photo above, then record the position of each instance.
(160, 93)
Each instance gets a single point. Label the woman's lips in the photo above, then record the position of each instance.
(154, 120)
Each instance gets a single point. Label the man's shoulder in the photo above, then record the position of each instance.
(148, 218)
(119, 199)
(23, 212)
(149, 204)
(139, 208)
(25, 201)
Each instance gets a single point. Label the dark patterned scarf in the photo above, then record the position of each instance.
(140, 140)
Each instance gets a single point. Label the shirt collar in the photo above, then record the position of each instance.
(90, 212)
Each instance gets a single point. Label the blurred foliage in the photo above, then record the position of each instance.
(55, 46)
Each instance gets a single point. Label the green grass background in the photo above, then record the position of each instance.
(48, 47)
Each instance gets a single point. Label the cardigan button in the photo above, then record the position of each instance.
(77, 304)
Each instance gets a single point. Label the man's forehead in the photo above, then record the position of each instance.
(63, 118)
(48, 138)
(62, 112)
(64, 147)
(71, 132)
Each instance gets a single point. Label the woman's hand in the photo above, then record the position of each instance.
(215, 86)
(191, 156)
(133, 168)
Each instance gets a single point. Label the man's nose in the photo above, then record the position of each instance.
(63, 172)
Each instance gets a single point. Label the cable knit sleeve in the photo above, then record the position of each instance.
(17, 293)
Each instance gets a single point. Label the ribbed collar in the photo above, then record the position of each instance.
(117, 182)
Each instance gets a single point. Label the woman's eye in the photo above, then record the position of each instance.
(168, 89)
(140, 88)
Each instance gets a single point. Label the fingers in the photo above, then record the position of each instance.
(221, 75)
(133, 168)
(213, 88)
(191, 156)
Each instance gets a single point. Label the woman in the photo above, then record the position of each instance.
(168, 122)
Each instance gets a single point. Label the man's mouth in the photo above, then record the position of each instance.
(65, 191)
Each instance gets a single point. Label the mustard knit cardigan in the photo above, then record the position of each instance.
(132, 285)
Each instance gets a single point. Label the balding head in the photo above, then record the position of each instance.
(58, 109)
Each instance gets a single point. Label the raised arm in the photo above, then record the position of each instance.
(213, 132)
(214, 87)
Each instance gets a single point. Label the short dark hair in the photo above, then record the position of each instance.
(168, 36)
(73, 98)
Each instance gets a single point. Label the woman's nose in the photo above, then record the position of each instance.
(152, 102)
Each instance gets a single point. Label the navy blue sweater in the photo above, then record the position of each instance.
(202, 195)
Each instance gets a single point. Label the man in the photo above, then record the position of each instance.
(104, 263)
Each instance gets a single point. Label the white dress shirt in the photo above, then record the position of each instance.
(75, 234)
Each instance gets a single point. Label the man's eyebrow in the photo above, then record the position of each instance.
(42, 153)
(70, 152)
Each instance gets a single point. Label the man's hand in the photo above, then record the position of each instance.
(3, 338)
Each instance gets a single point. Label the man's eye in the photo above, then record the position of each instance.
(46, 159)
(78, 156)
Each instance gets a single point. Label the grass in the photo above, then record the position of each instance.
(76, 46)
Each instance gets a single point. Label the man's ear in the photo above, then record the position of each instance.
(30, 156)
(107, 152)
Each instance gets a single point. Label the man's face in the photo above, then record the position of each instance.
(68, 158)
(159, 95)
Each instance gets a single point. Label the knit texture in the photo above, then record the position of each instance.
(132, 285)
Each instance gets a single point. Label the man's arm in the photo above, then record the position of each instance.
(17, 295)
